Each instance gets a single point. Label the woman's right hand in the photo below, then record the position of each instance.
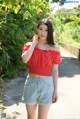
(35, 39)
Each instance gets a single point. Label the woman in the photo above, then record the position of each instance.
(42, 57)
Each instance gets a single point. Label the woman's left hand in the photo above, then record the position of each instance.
(55, 97)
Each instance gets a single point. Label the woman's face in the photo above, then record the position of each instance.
(43, 32)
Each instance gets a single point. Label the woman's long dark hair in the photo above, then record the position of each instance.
(50, 38)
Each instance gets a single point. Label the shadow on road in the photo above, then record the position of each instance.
(69, 67)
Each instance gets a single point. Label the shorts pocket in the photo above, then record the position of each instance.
(28, 82)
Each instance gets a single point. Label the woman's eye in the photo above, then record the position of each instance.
(40, 28)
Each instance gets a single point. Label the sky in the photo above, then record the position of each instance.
(69, 4)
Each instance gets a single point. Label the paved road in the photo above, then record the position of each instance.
(68, 105)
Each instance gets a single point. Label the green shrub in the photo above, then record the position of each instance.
(18, 22)
(67, 26)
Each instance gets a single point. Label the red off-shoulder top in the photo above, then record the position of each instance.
(41, 61)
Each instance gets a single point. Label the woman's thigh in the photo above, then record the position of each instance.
(43, 111)
(31, 111)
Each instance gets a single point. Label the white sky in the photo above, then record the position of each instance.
(68, 5)
(71, 3)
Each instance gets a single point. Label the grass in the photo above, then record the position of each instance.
(1, 103)
(78, 63)
(67, 39)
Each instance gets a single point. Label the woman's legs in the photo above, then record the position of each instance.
(43, 111)
(31, 111)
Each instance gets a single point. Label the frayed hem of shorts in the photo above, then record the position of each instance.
(28, 103)
(33, 103)
(45, 104)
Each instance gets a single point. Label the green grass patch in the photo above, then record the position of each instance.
(1, 102)
(78, 63)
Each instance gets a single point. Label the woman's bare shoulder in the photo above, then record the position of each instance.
(55, 48)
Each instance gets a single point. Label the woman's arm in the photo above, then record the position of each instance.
(27, 54)
(55, 81)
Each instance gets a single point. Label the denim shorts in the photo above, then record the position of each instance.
(38, 90)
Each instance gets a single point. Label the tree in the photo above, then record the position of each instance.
(18, 22)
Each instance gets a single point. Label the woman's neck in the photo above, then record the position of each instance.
(42, 46)
(42, 42)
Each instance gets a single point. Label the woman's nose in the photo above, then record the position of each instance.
(43, 33)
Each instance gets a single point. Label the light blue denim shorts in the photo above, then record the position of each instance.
(38, 91)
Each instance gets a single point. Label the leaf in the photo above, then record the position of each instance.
(38, 10)
(25, 15)
(6, 1)
(9, 5)
(16, 9)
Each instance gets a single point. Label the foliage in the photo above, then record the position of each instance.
(18, 22)
(67, 26)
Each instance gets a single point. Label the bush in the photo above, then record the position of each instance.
(67, 26)
(18, 24)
